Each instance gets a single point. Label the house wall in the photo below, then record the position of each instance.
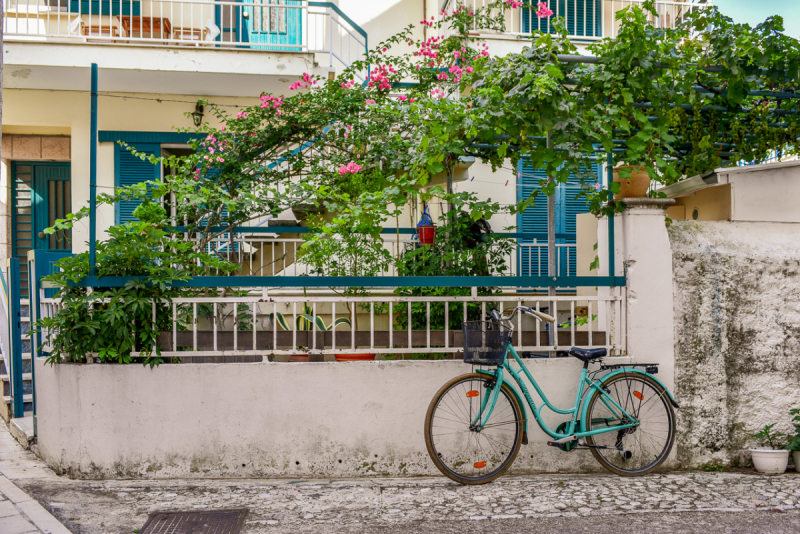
(765, 192)
(264, 419)
(712, 204)
(737, 340)
(31, 110)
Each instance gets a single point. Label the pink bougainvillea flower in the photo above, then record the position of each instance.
(402, 98)
(469, 69)
(598, 187)
(369, 101)
(350, 168)
(544, 10)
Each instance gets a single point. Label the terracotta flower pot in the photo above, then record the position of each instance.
(635, 186)
(354, 357)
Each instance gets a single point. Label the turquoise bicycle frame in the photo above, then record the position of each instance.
(499, 375)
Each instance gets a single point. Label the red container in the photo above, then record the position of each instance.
(427, 234)
(354, 357)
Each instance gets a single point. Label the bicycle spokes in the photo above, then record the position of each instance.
(463, 446)
(641, 446)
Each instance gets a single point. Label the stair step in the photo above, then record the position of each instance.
(25, 377)
(25, 398)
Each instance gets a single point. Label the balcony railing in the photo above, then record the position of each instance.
(264, 255)
(585, 19)
(271, 25)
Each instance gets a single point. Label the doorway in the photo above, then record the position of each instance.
(41, 193)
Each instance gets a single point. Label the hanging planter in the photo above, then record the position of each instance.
(635, 186)
(426, 234)
(426, 230)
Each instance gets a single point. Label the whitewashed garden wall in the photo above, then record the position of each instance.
(737, 335)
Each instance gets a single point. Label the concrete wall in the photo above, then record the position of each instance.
(264, 419)
(737, 335)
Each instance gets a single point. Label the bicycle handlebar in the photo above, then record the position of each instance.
(524, 309)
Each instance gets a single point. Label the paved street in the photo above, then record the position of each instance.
(672, 502)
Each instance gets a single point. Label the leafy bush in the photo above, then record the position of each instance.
(113, 322)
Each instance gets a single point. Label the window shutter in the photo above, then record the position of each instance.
(582, 17)
(533, 260)
(130, 170)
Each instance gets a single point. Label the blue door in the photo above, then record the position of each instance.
(40, 194)
(277, 26)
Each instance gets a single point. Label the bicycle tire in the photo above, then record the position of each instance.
(506, 435)
(634, 392)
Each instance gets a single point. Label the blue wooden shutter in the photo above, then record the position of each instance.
(533, 261)
(130, 170)
(583, 17)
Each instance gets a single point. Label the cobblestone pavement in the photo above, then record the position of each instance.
(296, 505)
(740, 502)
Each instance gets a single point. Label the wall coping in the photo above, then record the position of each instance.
(651, 203)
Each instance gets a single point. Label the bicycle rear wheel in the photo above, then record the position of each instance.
(469, 456)
(638, 450)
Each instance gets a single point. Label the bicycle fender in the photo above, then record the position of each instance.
(518, 397)
(626, 371)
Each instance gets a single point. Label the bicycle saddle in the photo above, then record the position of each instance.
(587, 354)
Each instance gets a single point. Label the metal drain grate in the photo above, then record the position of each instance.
(210, 522)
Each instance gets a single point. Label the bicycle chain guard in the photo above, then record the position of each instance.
(562, 429)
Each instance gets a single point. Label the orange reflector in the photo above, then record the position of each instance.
(480, 465)
(472, 393)
(638, 395)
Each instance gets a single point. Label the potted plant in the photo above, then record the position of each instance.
(633, 181)
(336, 251)
(303, 323)
(771, 460)
(323, 327)
(794, 441)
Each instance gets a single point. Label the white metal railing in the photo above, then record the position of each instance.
(261, 255)
(242, 326)
(584, 19)
(271, 25)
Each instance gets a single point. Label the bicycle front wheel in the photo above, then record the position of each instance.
(462, 453)
(640, 449)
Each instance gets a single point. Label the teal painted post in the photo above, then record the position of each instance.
(93, 176)
(611, 260)
(15, 336)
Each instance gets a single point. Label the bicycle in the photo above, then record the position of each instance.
(477, 422)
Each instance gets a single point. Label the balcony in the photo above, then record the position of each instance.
(586, 20)
(252, 38)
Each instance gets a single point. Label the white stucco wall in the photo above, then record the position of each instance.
(737, 335)
(264, 419)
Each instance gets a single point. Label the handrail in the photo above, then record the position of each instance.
(306, 230)
(341, 13)
(368, 281)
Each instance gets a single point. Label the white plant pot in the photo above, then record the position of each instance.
(796, 457)
(770, 461)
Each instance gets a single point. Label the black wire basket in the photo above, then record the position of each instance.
(485, 342)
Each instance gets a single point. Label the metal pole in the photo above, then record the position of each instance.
(610, 174)
(93, 176)
(551, 253)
